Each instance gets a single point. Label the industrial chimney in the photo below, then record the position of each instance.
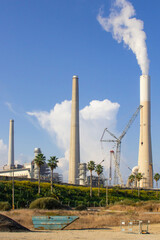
(145, 148)
(74, 159)
(11, 145)
(36, 170)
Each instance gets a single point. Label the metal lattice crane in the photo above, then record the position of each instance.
(117, 140)
(117, 168)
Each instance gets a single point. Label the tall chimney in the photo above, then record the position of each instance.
(74, 159)
(145, 147)
(11, 145)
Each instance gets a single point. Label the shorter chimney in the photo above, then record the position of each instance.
(11, 145)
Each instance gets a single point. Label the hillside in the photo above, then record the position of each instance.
(26, 192)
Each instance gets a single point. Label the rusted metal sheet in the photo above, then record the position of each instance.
(52, 222)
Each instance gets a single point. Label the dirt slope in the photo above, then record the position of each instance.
(9, 225)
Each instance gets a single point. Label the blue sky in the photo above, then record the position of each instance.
(44, 43)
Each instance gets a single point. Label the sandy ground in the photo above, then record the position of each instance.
(113, 233)
(102, 225)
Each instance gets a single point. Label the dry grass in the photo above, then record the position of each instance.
(103, 218)
(149, 206)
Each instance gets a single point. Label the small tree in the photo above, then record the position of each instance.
(99, 170)
(91, 167)
(132, 179)
(156, 178)
(138, 177)
(52, 163)
(39, 161)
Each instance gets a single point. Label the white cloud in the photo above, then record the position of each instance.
(93, 119)
(3, 153)
(56, 122)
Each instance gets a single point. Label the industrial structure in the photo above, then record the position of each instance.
(77, 171)
(82, 174)
(30, 170)
(11, 145)
(117, 140)
(74, 159)
(145, 148)
(11, 164)
(27, 170)
(102, 180)
(110, 167)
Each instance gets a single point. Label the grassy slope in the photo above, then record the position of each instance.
(26, 192)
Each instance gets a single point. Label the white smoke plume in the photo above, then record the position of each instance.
(93, 119)
(125, 27)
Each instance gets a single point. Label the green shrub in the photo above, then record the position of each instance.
(81, 208)
(46, 203)
(102, 203)
(5, 206)
(127, 202)
(26, 192)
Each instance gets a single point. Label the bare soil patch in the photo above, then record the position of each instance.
(100, 218)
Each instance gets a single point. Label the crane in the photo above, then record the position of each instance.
(118, 140)
(117, 168)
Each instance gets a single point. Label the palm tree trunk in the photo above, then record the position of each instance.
(90, 183)
(98, 186)
(39, 190)
(157, 188)
(51, 180)
(138, 189)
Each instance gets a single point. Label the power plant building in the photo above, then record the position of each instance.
(30, 170)
(27, 170)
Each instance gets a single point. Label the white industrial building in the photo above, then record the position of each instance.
(28, 170)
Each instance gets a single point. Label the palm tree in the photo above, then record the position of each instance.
(91, 167)
(39, 161)
(52, 163)
(99, 170)
(132, 179)
(156, 178)
(138, 177)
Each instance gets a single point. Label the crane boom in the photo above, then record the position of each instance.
(110, 134)
(130, 122)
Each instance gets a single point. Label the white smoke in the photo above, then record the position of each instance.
(93, 119)
(125, 27)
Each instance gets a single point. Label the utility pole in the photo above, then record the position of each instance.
(13, 188)
(106, 192)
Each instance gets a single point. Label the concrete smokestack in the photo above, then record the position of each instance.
(74, 159)
(36, 152)
(11, 145)
(145, 148)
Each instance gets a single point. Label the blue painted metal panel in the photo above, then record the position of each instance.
(52, 222)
